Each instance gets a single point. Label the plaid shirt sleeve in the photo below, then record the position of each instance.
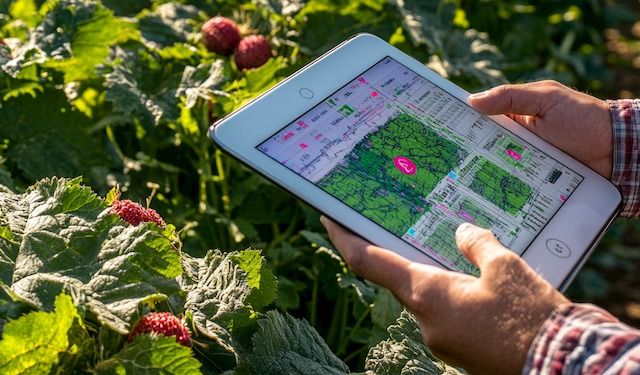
(584, 339)
(625, 118)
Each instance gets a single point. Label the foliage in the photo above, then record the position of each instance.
(123, 92)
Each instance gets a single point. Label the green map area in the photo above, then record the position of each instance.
(479, 217)
(443, 240)
(368, 181)
(501, 188)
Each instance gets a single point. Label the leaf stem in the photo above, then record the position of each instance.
(314, 302)
(343, 344)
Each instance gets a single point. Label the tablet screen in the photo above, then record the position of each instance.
(418, 162)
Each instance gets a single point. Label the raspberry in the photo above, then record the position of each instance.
(220, 35)
(134, 214)
(162, 323)
(153, 216)
(252, 52)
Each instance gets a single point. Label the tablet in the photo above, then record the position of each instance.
(391, 150)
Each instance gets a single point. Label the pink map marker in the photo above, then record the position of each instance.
(405, 165)
(514, 155)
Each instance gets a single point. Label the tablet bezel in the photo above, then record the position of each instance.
(578, 224)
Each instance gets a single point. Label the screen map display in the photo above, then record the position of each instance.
(419, 162)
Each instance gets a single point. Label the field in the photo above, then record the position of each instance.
(389, 197)
(111, 100)
(501, 188)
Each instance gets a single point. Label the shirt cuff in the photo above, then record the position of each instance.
(577, 337)
(625, 121)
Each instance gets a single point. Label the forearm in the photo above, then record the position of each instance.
(625, 119)
(584, 339)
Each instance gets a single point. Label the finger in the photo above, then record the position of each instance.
(417, 286)
(478, 245)
(522, 99)
(374, 263)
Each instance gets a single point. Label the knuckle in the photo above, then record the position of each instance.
(414, 300)
(551, 83)
(355, 259)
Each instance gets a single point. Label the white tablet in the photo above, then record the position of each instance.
(386, 147)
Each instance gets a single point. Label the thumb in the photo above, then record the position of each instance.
(478, 245)
(522, 99)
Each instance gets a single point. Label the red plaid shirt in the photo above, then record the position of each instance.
(584, 339)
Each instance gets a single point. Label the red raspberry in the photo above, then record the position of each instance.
(134, 214)
(220, 35)
(252, 52)
(153, 216)
(162, 323)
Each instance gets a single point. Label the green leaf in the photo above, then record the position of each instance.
(216, 294)
(365, 292)
(203, 82)
(91, 39)
(5, 233)
(285, 345)
(12, 306)
(42, 136)
(467, 57)
(112, 195)
(151, 355)
(143, 86)
(65, 240)
(259, 277)
(316, 239)
(41, 341)
(404, 352)
(74, 37)
(386, 309)
(168, 24)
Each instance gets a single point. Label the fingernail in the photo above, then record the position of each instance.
(478, 95)
(465, 229)
(323, 220)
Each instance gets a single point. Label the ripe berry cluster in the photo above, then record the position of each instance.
(162, 323)
(221, 35)
(134, 213)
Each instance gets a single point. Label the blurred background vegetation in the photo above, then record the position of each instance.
(133, 117)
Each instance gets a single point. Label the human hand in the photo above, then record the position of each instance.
(485, 324)
(576, 123)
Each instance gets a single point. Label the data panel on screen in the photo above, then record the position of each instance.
(419, 162)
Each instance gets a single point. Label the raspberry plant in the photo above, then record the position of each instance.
(123, 92)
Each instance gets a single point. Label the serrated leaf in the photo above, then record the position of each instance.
(404, 352)
(142, 86)
(168, 24)
(202, 81)
(38, 341)
(285, 345)
(91, 40)
(259, 277)
(216, 293)
(22, 88)
(112, 195)
(64, 240)
(74, 37)
(151, 355)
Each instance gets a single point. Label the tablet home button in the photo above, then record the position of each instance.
(558, 248)
(306, 93)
